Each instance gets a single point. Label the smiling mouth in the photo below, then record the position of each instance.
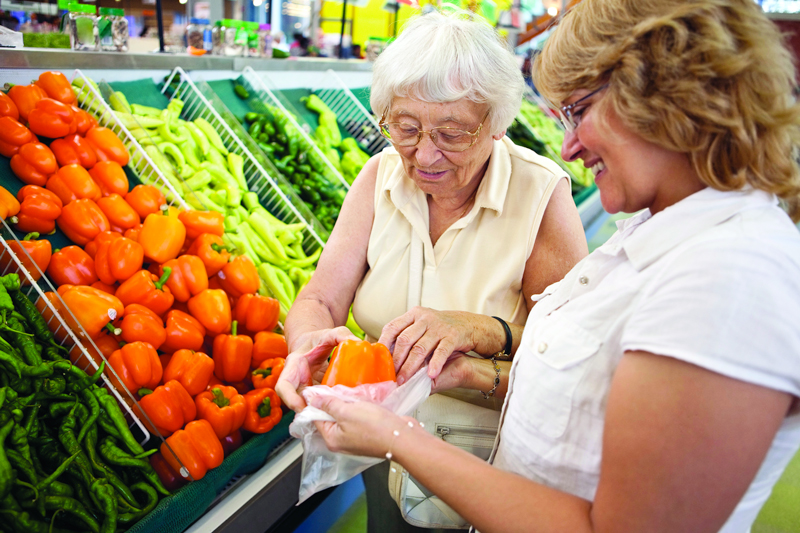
(598, 167)
(428, 174)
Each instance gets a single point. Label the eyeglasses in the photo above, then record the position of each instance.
(570, 117)
(447, 139)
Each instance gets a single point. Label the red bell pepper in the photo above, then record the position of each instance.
(57, 87)
(147, 289)
(268, 372)
(13, 135)
(9, 206)
(83, 121)
(162, 237)
(232, 354)
(26, 97)
(223, 407)
(137, 366)
(82, 221)
(268, 345)
(120, 214)
(169, 407)
(146, 199)
(102, 238)
(257, 313)
(50, 118)
(74, 150)
(106, 345)
(212, 309)
(188, 277)
(169, 476)
(199, 222)
(232, 442)
(358, 362)
(111, 178)
(239, 277)
(118, 259)
(211, 251)
(196, 449)
(73, 182)
(141, 324)
(183, 332)
(192, 369)
(71, 265)
(36, 260)
(34, 163)
(107, 145)
(39, 209)
(93, 309)
(7, 107)
(263, 410)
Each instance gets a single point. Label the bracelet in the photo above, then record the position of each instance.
(487, 395)
(509, 337)
(396, 433)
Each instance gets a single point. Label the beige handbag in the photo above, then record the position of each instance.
(461, 417)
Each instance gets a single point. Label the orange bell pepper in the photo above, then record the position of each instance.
(183, 332)
(147, 289)
(71, 265)
(34, 163)
(137, 367)
(83, 121)
(199, 222)
(118, 260)
(50, 118)
(358, 362)
(257, 313)
(133, 233)
(188, 277)
(263, 410)
(74, 150)
(141, 324)
(192, 369)
(146, 199)
(57, 87)
(39, 209)
(104, 287)
(53, 324)
(223, 407)
(93, 309)
(73, 182)
(9, 206)
(196, 450)
(268, 372)
(232, 354)
(102, 238)
(111, 178)
(268, 345)
(82, 221)
(39, 251)
(239, 277)
(211, 251)
(120, 214)
(162, 237)
(212, 309)
(7, 107)
(13, 135)
(106, 345)
(169, 407)
(107, 145)
(25, 97)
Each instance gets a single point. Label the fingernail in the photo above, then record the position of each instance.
(400, 380)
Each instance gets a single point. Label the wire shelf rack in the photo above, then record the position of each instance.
(274, 192)
(350, 112)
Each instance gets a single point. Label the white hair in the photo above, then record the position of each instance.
(444, 57)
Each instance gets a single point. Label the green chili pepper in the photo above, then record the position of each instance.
(45, 483)
(11, 362)
(6, 472)
(109, 404)
(57, 488)
(93, 405)
(241, 91)
(21, 340)
(90, 445)
(74, 508)
(108, 505)
(251, 116)
(116, 456)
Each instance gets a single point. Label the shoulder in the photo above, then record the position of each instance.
(533, 162)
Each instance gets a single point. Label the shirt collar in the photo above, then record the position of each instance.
(658, 234)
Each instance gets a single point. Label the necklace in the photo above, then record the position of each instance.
(467, 208)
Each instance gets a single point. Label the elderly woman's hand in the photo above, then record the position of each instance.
(421, 333)
(308, 362)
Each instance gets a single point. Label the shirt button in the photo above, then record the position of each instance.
(542, 347)
(583, 280)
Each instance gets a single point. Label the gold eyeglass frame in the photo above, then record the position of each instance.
(382, 124)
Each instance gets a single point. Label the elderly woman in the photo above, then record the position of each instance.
(453, 216)
(656, 386)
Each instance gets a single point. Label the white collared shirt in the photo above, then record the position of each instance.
(713, 280)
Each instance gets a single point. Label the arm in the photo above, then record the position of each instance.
(325, 301)
(676, 457)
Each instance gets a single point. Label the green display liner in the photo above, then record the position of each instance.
(175, 513)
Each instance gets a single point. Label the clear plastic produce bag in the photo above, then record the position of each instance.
(323, 468)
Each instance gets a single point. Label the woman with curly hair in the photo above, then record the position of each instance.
(655, 388)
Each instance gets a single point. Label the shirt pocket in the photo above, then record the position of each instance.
(558, 355)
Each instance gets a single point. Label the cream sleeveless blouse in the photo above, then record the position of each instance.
(477, 264)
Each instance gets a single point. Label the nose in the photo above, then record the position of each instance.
(571, 147)
(427, 153)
